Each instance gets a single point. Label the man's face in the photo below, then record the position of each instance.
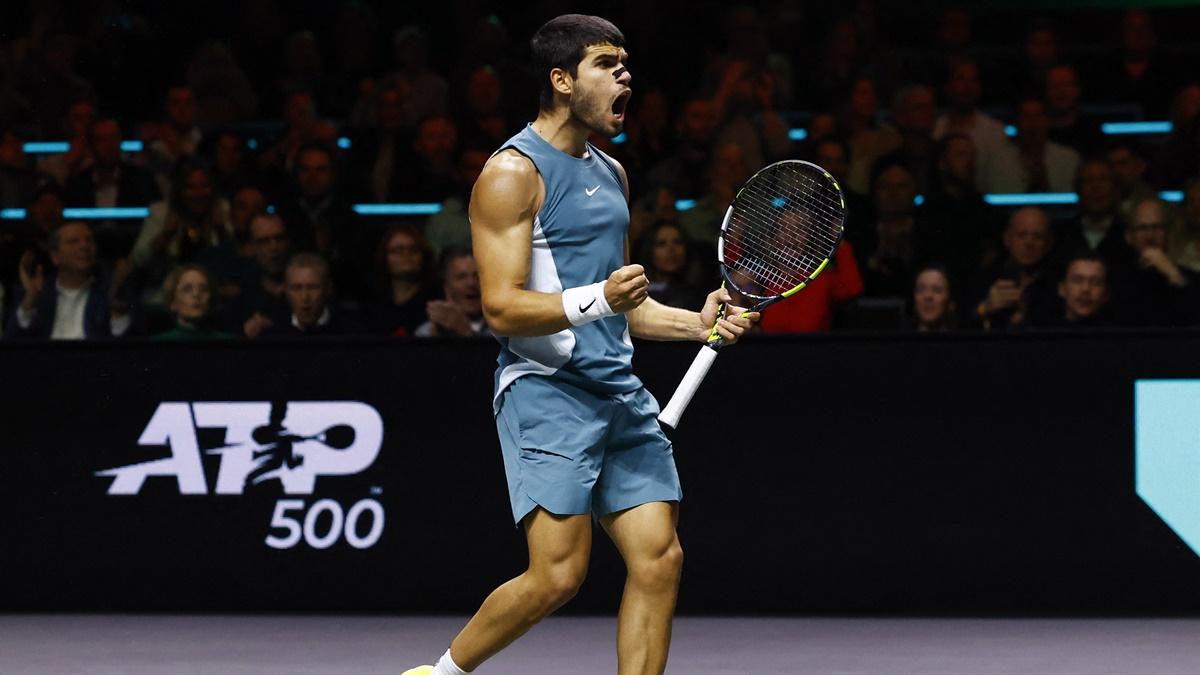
(1041, 48)
(181, 107)
(1085, 289)
(46, 212)
(314, 173)
(931, 296)
(832, 156)
(964, 87)
(599, 94)
(1027, 238)
(306, 293)
(959, 160)
(1062, 88)
(894, 192)
(247, 203)
(698, 121)
(198, 192)
(1033, 123)
(106, 142)
(76, 249)
(1147, 227)
(917, 111)
(1127, 167)
(462, 286)
(1097, 189)
(269, 242)
(229, 153)
(483, 91)
(436, 139)
(403, 256)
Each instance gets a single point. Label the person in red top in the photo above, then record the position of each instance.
(811, 310)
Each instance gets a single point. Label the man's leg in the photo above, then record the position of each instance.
(559, 549)
(645, 536)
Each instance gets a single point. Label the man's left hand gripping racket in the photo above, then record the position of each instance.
(779, 233)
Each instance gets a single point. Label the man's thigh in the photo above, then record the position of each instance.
(644, 532)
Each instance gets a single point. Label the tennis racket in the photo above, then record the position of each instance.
(778, 234)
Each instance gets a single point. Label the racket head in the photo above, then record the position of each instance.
(781, 230)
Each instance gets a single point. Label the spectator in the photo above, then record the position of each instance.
(106, 179)
(1019, 289)
(994, 154)
(191, 219)
(450, 226)
(405, 264)
(1179, 158)
(1098, 226)
(484, 123)
(43, 214)
(914, 113)
(833, 154)
(953, 223)
(47, 79)
(1039, 55)
(933, 304)
(188, 292)
(745, 104)
(727, 173)
(815, 309)
(173, 139)
(427, 91)
(650, 139)
(382, 150)
(302, 129)
(230, 168)
(1185, 241)
(76, 126)
(461, 313)
(868, 138)
(1043, 165)
(433, 176)
(1129, 168)
(1068, 125)
(17, 178)
(1152, 289)
(224, 95)
(1084, 292)
(320, 217)
(260, 304)
(886, 251)
(230, 263)
(309, 291)
(685, 171)
(666, 255)
(75, 301)
(1139, 72)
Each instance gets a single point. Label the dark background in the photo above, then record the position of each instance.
(857, 474)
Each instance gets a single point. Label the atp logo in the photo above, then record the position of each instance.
(293, 443)
(290, 442)
(1167, 430)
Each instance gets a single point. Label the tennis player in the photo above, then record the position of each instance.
(578, 431)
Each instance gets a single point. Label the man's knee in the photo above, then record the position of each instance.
(659, 570)
(558, 584)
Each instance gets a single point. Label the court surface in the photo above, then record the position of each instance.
(231, 645)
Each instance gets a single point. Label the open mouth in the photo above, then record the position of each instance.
(618, 106)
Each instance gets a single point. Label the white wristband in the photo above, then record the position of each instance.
(584, 304)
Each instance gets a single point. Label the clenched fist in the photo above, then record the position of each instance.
(627, 288)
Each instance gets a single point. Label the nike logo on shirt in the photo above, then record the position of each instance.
(592, 191)
(583, 310)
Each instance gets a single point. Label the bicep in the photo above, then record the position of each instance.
(501, 214)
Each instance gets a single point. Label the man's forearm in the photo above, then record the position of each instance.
(654, 321)
(522, 313)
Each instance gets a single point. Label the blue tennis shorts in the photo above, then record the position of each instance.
(571, 451)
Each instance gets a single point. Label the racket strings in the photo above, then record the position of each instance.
(785, 223)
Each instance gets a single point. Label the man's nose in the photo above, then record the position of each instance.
(623, 75)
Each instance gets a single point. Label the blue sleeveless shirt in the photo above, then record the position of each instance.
(578, 238)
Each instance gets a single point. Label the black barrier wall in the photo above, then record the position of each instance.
(945, 474)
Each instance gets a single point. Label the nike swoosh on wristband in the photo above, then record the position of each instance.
(583, 310)
(592, 191)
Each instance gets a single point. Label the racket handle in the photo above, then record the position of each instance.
(687, 387)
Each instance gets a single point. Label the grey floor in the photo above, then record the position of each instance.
(232, 645)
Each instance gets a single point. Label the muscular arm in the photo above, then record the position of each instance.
(504, 202)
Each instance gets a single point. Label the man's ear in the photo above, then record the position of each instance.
(561, 81)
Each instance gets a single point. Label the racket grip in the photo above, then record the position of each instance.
(687, 387)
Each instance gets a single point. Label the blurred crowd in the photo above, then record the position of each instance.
(265, 132)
